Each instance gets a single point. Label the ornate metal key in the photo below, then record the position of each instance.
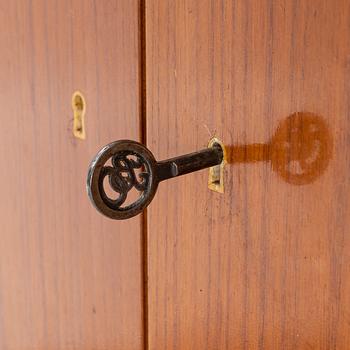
(132, 175)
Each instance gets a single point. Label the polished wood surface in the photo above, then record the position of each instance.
(267, 264)
(69, 278)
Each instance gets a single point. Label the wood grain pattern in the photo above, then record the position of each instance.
(267, 264)
(70, 279)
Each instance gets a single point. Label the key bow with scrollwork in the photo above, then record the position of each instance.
(122, 177)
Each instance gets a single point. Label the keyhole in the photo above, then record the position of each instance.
(216, 173)
(79, 107)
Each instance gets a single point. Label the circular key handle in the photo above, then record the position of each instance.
(127, 165)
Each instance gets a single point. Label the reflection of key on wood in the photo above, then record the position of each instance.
(299, 151)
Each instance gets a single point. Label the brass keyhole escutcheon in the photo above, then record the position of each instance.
(79, 108)
(216, 172)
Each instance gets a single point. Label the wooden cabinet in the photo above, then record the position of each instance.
(69, 279)
(266, 265)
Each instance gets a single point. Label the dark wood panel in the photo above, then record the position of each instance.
(266, 265)
(70, 279)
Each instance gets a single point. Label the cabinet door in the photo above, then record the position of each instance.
(70, 278)
(266, 265)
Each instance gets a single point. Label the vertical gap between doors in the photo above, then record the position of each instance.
(143, 139)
